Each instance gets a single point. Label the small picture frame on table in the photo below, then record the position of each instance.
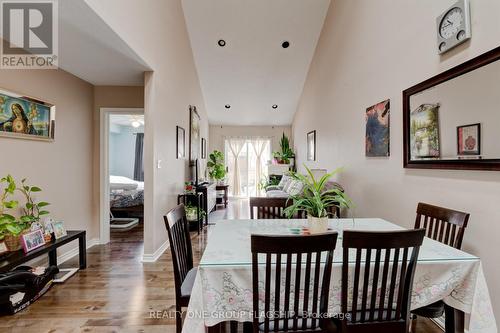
(33, 240)
(59, 231)
(3, 248)
(469, 139)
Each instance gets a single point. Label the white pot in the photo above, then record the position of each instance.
(317, 225)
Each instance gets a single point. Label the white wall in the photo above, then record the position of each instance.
(122, 151)
(219, 132)
(373, 50)
(159, 36)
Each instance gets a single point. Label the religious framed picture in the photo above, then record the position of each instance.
(377, 137)
(311, 146)
(194, 134)
(203, 148)
(181, 142)
(25, 117)
(33, 240)
(59, 230)
(469, 139)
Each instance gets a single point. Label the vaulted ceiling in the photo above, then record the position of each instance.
(243, 79)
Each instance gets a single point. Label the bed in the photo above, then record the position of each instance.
(126, 195)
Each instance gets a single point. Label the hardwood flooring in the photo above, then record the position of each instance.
(117, 292)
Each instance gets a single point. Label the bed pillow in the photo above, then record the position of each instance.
(122, 183)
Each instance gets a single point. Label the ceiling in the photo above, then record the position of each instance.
(91, 50)
(253, 71)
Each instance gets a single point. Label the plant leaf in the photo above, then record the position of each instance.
(36, 189)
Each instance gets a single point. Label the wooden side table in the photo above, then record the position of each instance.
(224, 188)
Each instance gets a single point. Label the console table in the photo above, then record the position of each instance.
(14, 259)
(224, 188)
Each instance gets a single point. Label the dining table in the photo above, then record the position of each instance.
(222, 289)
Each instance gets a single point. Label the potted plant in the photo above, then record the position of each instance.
(11, 228)
(286, 153)
(192, 213)
(316, 199)
(215, 165)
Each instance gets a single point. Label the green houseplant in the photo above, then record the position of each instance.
(192, 213)
(215, 164)
(286, 153)
(316, 200)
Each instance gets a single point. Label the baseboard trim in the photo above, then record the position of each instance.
(157, 254)
(74, 252)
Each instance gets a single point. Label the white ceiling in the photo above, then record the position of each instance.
(91, 50)
(253, 72)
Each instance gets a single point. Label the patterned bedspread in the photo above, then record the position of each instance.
(124, 199)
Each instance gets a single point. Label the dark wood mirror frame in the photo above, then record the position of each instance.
(457, 164)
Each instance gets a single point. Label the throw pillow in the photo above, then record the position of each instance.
(295, 188)
(285, 180)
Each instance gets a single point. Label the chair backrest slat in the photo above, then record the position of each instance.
(388, 261)
(180, 244)
(442, 224)
(268, 208)
(306, 281)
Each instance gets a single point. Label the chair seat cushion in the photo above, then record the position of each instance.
(434, 310)
(330, 326)
(187, 284)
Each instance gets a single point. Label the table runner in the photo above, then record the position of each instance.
(223, 287)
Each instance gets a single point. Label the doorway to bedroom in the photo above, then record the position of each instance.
(122, 169)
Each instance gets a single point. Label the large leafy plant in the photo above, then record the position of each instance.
(30, 212)
(215, 164)
(286, 152)
(316, 199)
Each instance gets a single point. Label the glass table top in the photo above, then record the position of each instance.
(229, 241)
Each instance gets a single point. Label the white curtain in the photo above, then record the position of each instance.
(235, 146)
(258, 147)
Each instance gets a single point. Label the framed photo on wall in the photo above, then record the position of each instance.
(469, 139)
(181, 142)
(377, 137)
(25, 117)
(311, 146)
(203, 148)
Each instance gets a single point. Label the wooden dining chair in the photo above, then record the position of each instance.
(182, 259)
(268, 208)
(448, 227)
(379, 279)
(296, 274)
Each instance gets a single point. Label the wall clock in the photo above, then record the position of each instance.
(453, 26)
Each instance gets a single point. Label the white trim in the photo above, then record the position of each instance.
(75, 251)
(104, 167)
(153, 257)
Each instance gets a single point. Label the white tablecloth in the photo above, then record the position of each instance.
(223, 287)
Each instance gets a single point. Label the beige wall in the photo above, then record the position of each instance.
(370, 51)
(219, 132)
(61, 168)
(159, 36)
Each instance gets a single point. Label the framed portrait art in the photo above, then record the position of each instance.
(194, 134)
(25, 117)
(469, 139)
(311, 146)
(181, 142)
(203, 148)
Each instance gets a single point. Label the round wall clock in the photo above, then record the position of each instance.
(453, 26)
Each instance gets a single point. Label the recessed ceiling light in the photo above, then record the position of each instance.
(275, 106)
(285, 44)
(227, 106)
(221, 42)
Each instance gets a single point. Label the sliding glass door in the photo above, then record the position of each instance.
(246, 160)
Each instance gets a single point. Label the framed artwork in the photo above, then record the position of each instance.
(194, 134)
(33, 240)
(377, 138)
(311, 146)
(25, 117)
(424, 131)
(203, 148)
(59, 230)
(181, 142)
(469, 139)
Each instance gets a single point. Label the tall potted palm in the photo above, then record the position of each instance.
(316, 200)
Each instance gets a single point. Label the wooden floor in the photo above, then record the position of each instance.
(117, 292)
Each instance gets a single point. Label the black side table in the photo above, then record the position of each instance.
(195, 199)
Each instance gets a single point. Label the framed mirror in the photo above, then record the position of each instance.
(452, 120)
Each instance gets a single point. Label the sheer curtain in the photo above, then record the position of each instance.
(235, 146)
(259, 146)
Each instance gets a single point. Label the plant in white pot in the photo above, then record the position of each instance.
(316, 200)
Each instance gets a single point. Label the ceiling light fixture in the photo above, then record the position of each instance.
(275, 106)
(227, 106)
(285, 44)
(221, 42)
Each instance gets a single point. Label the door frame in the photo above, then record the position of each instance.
(104, 193)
